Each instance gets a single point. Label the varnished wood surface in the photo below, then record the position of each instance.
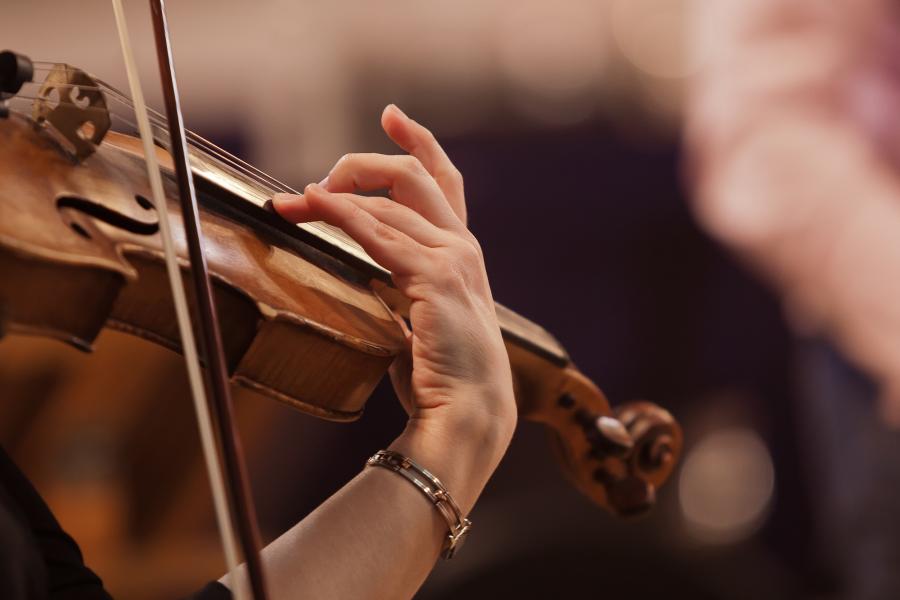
(271, 300)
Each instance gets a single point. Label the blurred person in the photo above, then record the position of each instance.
(794, 164)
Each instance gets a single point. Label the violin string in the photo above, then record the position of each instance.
(243, 166)
(268, 183)
(323, 228)
(196, 140)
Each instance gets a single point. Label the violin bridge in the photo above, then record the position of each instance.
(71, 104)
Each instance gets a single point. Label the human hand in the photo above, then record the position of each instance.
(454, 380)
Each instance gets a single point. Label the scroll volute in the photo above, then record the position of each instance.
(617, 457)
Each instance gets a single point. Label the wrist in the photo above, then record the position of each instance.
(461, 448)
(478, 416)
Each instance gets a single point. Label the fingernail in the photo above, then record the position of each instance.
(397, 108)
(315, 188)
(324, 182)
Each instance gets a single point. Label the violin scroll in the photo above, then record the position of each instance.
(657, 439)
(656, 444)
(618, 458)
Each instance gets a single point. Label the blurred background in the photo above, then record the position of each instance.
(568, 122)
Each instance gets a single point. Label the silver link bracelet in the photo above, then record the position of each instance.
(434, 490)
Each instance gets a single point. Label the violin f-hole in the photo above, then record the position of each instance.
(107, 215)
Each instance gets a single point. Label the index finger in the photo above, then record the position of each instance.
(421, 143)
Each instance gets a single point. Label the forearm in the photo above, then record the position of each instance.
(379, 536)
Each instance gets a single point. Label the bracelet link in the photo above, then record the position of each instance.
(434, 490)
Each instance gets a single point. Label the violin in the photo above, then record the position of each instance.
(306, 317)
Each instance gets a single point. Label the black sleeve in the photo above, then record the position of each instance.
(40, 560)
(213, 591)
(60, 564)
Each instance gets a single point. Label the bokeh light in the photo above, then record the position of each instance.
(726, 486)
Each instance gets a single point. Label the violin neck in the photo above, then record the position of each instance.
(541, 368)
(539, 363)
(531, 336)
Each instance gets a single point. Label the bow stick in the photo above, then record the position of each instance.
(228, 479)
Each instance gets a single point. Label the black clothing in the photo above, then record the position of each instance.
(40, 561)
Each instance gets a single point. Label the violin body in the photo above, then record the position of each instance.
(80, 250)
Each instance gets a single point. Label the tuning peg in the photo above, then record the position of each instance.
(15, 70)
(631, 496)
(607, 436)
(627, 496)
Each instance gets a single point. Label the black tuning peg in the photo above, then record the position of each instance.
(15, 71)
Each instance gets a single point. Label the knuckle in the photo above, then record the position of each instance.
(356, 212)
(384, 205)
(459, 270)
(428, 135)
(413, 165)
(341, 166)
(385, 233)
(470, 248)
(470, 252)
(314, 200)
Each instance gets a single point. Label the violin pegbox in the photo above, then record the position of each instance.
(617, 457)
(71, 103)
